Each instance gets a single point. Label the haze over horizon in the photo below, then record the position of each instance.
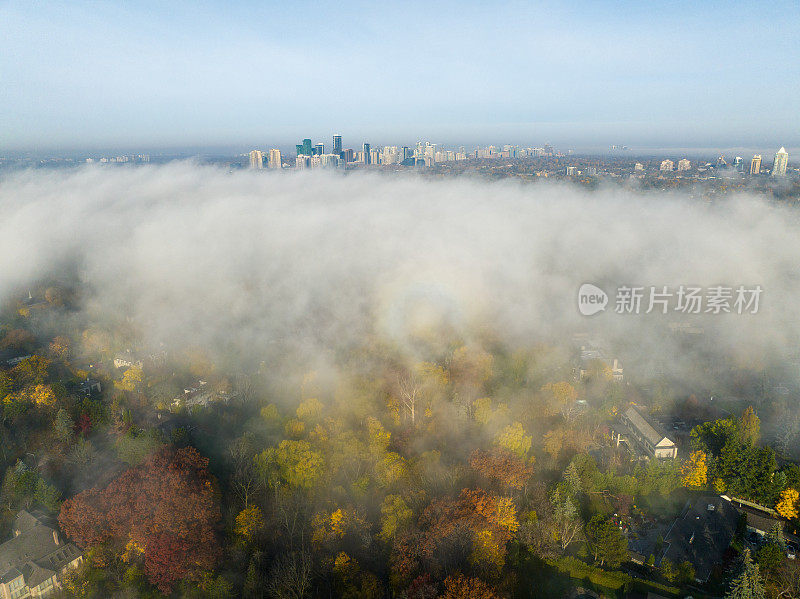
(83, 75)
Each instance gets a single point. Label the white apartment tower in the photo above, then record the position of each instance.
(755, 165)
(779, 165)
(274, 158)
(256, 159)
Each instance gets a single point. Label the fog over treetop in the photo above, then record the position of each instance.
(252, 262)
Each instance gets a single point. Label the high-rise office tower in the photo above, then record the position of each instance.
(307, 147)
(275, 158)
(780, 162)
(348, 155)
(318, 150)
(256, 159)
(366, 154)
(337, 145)
(755, 165)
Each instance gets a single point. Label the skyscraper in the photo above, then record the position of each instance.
(256, 159)
(337, 145)
(274, 158)
(366, 154)
(307, 147)
(755, 165)
(779, 165)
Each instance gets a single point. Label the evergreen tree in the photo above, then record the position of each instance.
(64, 427)
(572, 480)
(606, 541)
(775, 536)
(747, 584)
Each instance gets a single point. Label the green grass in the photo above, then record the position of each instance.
(552, 578)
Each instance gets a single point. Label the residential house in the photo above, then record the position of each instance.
(701, 535)
(646, 435)
(592, 357)
(760, 519)
(126, 360)
(34, 560)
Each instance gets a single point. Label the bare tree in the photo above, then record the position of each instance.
(244, 479)
(409, 388)
(290, 576)
(785, 583)
(566, 519)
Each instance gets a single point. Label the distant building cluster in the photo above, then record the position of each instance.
(779, 165)
(313, 155)
(132, 158)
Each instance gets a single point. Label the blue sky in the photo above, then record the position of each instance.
(152, 74)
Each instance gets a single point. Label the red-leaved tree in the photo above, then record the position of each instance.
(164, 508)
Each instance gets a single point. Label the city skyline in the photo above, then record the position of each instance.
(83, 75)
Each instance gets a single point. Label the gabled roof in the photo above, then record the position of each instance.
(702, 534)
(647, 430)
(26, 520)
(34, 552)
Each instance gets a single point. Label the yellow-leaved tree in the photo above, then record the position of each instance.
(787, 504)
(514, 439)
(249, 521)
(42, 395)
(695, 470)
(132, 378)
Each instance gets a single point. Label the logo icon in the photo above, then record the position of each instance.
(591, 299)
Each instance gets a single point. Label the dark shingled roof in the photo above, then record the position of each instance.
(701, 535)
(34, 552)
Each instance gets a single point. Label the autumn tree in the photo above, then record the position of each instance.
(59, 347)
(31, 371)
(695, 470)
(166, 506)
(293, 463)
(749, 427)
(561, 396)
(309, 410)
(475, 522)
(249, 522)
(131, 380)
(514, 439)
(787, 505)
(503, 468)
(395, 516)
(462, 587)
